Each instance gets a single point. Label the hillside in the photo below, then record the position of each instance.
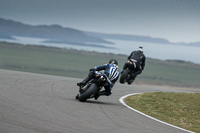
(54, 33)
(129, 37)
(138, 38)
(58, 34)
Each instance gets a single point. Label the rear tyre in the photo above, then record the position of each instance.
(77, 96)
(87, 94)
(124, 76)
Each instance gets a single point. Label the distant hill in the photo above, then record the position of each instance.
(58, 34)
(137, 38)
(54, 33)
(129, 37)
(6, 36)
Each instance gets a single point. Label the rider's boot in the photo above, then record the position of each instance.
(131, 79)
(90, 76)
(83, 82)
(101, 93)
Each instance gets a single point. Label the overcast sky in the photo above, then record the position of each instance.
(175, 20)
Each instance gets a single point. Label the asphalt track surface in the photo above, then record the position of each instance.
(35, 103)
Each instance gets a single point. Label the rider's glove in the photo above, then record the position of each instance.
(92, 69)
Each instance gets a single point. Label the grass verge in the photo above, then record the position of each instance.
(180, 109)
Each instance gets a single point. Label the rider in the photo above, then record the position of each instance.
(110, 70)
(140, 63)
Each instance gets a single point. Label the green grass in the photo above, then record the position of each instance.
(180, 109)
(74, 63)
(182, 74)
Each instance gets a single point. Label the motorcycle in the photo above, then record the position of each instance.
(125, 75)
(92, 87)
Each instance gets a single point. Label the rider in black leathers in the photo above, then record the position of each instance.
(110, 70)
(139, 56)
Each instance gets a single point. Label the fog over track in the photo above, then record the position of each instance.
(36, 103)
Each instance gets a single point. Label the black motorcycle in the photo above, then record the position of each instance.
(131, 65)
(92, 88)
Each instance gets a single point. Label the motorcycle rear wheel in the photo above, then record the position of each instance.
(124, 76)
(87, 94)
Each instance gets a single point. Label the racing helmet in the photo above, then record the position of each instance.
(113, 61)
(140, 49)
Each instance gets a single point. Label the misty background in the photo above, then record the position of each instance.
(177, 21)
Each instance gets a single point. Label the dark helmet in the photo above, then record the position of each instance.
(113, 61)
(140, 49)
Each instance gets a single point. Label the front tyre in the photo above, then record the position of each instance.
(87, 94)
(124, 76)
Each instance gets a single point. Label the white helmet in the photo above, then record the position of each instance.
(140, 49)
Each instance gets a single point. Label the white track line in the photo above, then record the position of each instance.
(122, 101)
